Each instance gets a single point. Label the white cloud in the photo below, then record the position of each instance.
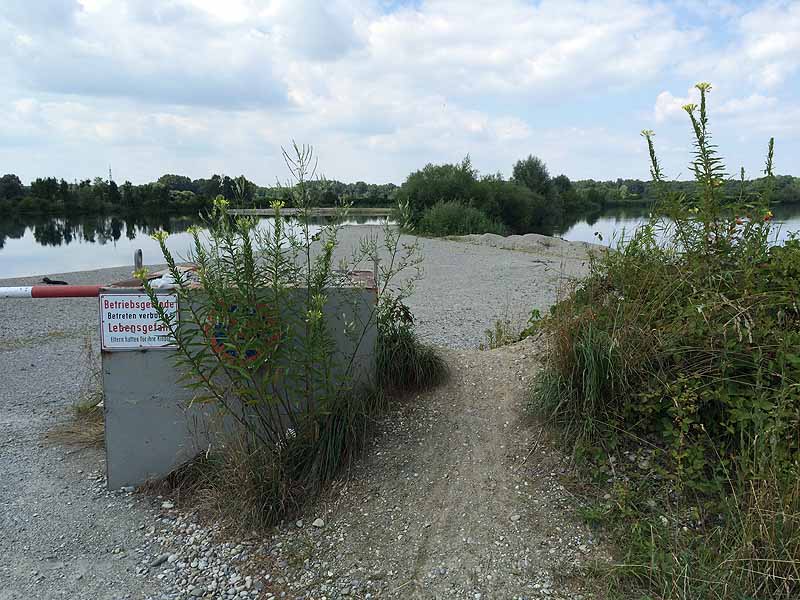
(752, 103)
(205, 84)
(763, 49)
(669, 106)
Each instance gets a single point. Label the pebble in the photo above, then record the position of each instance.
(159, 560)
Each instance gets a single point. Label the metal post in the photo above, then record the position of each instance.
(137, 260)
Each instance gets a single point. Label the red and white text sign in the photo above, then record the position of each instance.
(129, 321)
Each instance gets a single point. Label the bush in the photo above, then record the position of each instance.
(434, 198)
(674, 372)
(455, 218)
(255, 342)
(438, 183)
(518, 208)
(403, 362)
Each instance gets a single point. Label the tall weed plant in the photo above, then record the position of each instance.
(674, 374)
(259, 335)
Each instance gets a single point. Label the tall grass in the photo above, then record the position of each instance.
(674, 376)
(404, 363)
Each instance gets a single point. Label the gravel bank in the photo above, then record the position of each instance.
(471, 282)
(63, 536)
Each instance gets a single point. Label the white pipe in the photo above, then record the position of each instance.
(24, 291)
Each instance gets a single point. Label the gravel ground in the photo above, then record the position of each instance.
(63, 536)
(470, 282)
(458, 497)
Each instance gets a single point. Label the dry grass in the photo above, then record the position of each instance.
(86, 426)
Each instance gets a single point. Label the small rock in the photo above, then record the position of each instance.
(299, 524)
(515, 518)
(159, 560)
(318, 523)
(167, 505)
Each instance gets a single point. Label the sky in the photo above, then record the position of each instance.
(380, 88)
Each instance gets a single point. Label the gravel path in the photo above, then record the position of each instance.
(458, 498)
(63, 536)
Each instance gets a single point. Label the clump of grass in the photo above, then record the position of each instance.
(250, 486)
(502, 334)
(674, 376)
(404, 363)
(86, 426)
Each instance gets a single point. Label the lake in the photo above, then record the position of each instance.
(615, 222)
(38, 246)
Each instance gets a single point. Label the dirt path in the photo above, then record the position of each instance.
(457, 499)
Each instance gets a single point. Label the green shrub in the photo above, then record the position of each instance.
(529, 202)
(255, 342)
(518, 208)
(455, 218)
(403, 362)
(684, 356)
(438, 183)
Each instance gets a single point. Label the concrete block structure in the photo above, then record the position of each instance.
(152, 424)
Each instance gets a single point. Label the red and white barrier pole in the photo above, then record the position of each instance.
(51, 291)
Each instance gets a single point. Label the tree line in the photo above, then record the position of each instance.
(621, 192)
(439, 198)
(175, 194)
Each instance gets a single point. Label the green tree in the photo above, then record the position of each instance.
(114, 196)
(178, 183)
(10, 187)
(532, 173)
(422, 189)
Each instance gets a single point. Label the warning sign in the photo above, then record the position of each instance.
(129, 321)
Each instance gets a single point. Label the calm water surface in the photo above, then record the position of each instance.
(39, 247)
(42, 246)
(611, 225)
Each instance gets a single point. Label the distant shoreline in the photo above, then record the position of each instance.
(315, 212)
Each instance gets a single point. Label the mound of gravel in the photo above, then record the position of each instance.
(534, 243)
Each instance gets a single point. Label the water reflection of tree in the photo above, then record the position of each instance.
(11, 228)
(91, 229)
(103, 229)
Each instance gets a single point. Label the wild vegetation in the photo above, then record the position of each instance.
(456, 200)
(673, 374)
(259, 342)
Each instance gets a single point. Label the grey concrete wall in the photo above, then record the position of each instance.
(152, 424)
